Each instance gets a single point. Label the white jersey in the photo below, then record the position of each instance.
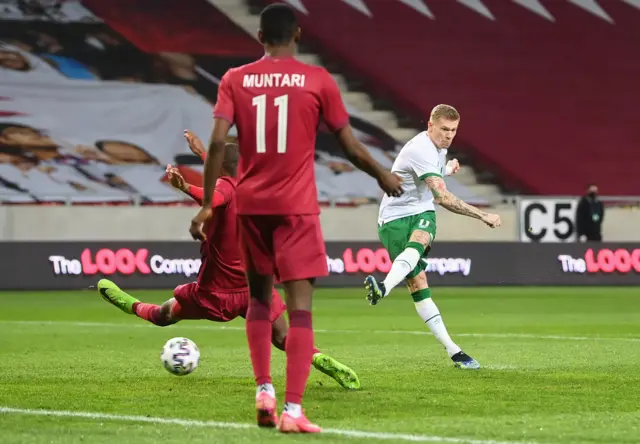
(418, 159)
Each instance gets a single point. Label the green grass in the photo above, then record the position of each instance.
(560, 366)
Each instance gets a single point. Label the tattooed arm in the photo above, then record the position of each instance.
(456, 205)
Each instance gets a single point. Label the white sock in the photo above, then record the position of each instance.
(295, 410)
(430, 314)
(401, 267)
(266, 388)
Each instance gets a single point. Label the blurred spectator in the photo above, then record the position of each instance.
(50, 49)
(31, 142)
(17, 63)
(125, 152)
(13, 60)
(589, 216)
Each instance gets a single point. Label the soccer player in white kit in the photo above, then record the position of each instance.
(407, 224)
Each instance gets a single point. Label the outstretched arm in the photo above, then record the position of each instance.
(195, 145)
(223, 114)
(448, 200)
(214, 158)
(197, 194)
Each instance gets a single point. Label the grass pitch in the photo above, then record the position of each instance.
(559, 366)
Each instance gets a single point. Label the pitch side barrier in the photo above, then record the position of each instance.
(68, 266)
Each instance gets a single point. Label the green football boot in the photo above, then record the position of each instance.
(111, 293)
(343, 375)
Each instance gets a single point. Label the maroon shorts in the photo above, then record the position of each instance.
(219, 306)
(289, 247)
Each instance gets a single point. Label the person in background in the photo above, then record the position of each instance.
(124, 153)
(589, 216)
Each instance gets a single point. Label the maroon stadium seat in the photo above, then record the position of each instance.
(548, 103)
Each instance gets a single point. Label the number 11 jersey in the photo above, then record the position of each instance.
(276, 104)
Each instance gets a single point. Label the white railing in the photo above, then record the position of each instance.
(18, 198)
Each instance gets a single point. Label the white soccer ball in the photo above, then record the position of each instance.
(180, 356)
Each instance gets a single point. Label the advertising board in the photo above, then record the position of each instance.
(66, 266)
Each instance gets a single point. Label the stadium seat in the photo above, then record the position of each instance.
(548, 91)
(96, 108)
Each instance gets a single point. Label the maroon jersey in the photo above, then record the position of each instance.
(276, 104)
(222, 267)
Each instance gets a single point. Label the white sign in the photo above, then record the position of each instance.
(547, 220)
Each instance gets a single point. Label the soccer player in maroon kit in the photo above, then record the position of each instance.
(276, 104)
(220, 293)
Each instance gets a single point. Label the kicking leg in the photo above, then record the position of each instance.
(429, 313)
(402, 265)
(259, 336)
(156, 314)
(331, 367)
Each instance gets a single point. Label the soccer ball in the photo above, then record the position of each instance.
(180, 356)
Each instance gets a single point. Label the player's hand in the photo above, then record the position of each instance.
(195, 144)
(197, 222)
(175, 178)
(493, 220)
(391, 184)
(453, 166)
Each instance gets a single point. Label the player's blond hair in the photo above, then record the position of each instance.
(446, 112)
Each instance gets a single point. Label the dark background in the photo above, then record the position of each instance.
(26, 265)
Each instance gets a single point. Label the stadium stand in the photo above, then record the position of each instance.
(94, 98)
(547, 89)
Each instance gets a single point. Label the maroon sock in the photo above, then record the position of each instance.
(259, 336)
(299, 355)
(151, 313)
(284, 344)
